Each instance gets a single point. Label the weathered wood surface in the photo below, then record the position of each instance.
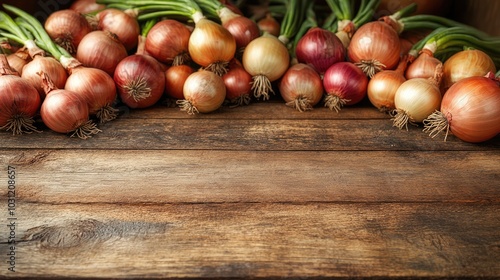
(251, 192)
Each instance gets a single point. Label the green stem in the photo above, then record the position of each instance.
(8, 24)
(292, 20)
(366, 12)
(210, 7)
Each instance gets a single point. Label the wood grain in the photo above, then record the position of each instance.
(259, 240)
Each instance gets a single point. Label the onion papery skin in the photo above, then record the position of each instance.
(64, 111)
(375, 46)
(464, 64)
(204, 92)
(86, 6)
(125, 26)
(18, 60)
(67, 28)
(102, 50)
(168, 42)
(265, 58)
(19, 103)
(472, 109)
(175, 77)
(97, 88)
(383, 87)
(424, 66)
(48, 65)
(238, 84)
(320, 48)
(301, 87)
(344, 84)
(211, 46)
(140, 81)
(415, 100)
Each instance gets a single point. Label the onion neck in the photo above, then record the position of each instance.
(5, 68)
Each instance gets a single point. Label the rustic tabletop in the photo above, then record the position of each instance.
(260, 191)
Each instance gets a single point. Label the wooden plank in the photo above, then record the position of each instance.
(256, 240)
(240, 134)
(155, 176)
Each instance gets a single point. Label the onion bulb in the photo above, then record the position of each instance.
(211, 45)
(204, 92)
(269, 24)
(243, 29)
(383, 86)
(301, 87)
(19, 101)
(238, 84)
(67, 28)
(86, 6)
(345, 84)
(375, 46)
(175, 77)
(102, 50)
(18, 59)
(470, 110)
(265, 58)
(416, 99)
(66, 111)
(424, 66)
(168, 42)
(464, 64)
(123, 24)
(49, 65)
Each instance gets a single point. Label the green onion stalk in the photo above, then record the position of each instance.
(292, 21)
(11, 31)
(446, 41)
(210, 45)
(347, 20)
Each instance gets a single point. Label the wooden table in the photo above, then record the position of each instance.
(261, 191)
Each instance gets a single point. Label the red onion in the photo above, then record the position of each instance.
(320, 48)
(238, 84)
(345, 84)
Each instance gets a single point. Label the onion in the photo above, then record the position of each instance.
(140, 81)
(345, 84)
(122, 23)
(65, 111)
(266, 58)
(48, 65)
(19, 59)
(301, 87)
(19, 101)
(270, 25)
(374, 47)
(238, 84)
(243, 29)
(470, 109)
(320, 48)
(175, 77)
(416, 99)
(67, 28)
(102, 50)
(464, 64)
(211, 45)
(383, 86)
(167, 41)
(424, 66)
(97, 88)
(204, 92)
(86, 6)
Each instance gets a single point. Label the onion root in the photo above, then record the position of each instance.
(301, 103)
(401, 119)
(187, 106)
(20, 124)
(334, 102)
(138, 88)
(107, 114)
(86, 130)
(436, 123)
(370, 67)
(261, 87)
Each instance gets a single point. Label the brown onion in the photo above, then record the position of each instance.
(301, 87)
(48, 65)
(204, 92)
(122, 23)
(270, 25)
(242, 28)
(464, 64)
(67, 28)
(424, 66)
(167, 41)
(175, 77)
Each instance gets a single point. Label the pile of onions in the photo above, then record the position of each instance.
(102, 50)
(123, 24)
(345, 84)
(140, 80)
(301, 87)
(204, 92)
(375, 46)
(266, 59)
(19, 101)
(470, 109)
(238, 84)
(66, 111)
(67, 28)
(464, 64)
(168, 42)
(416, 99)
(320, 48)
(383, 86)
(175, 77)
